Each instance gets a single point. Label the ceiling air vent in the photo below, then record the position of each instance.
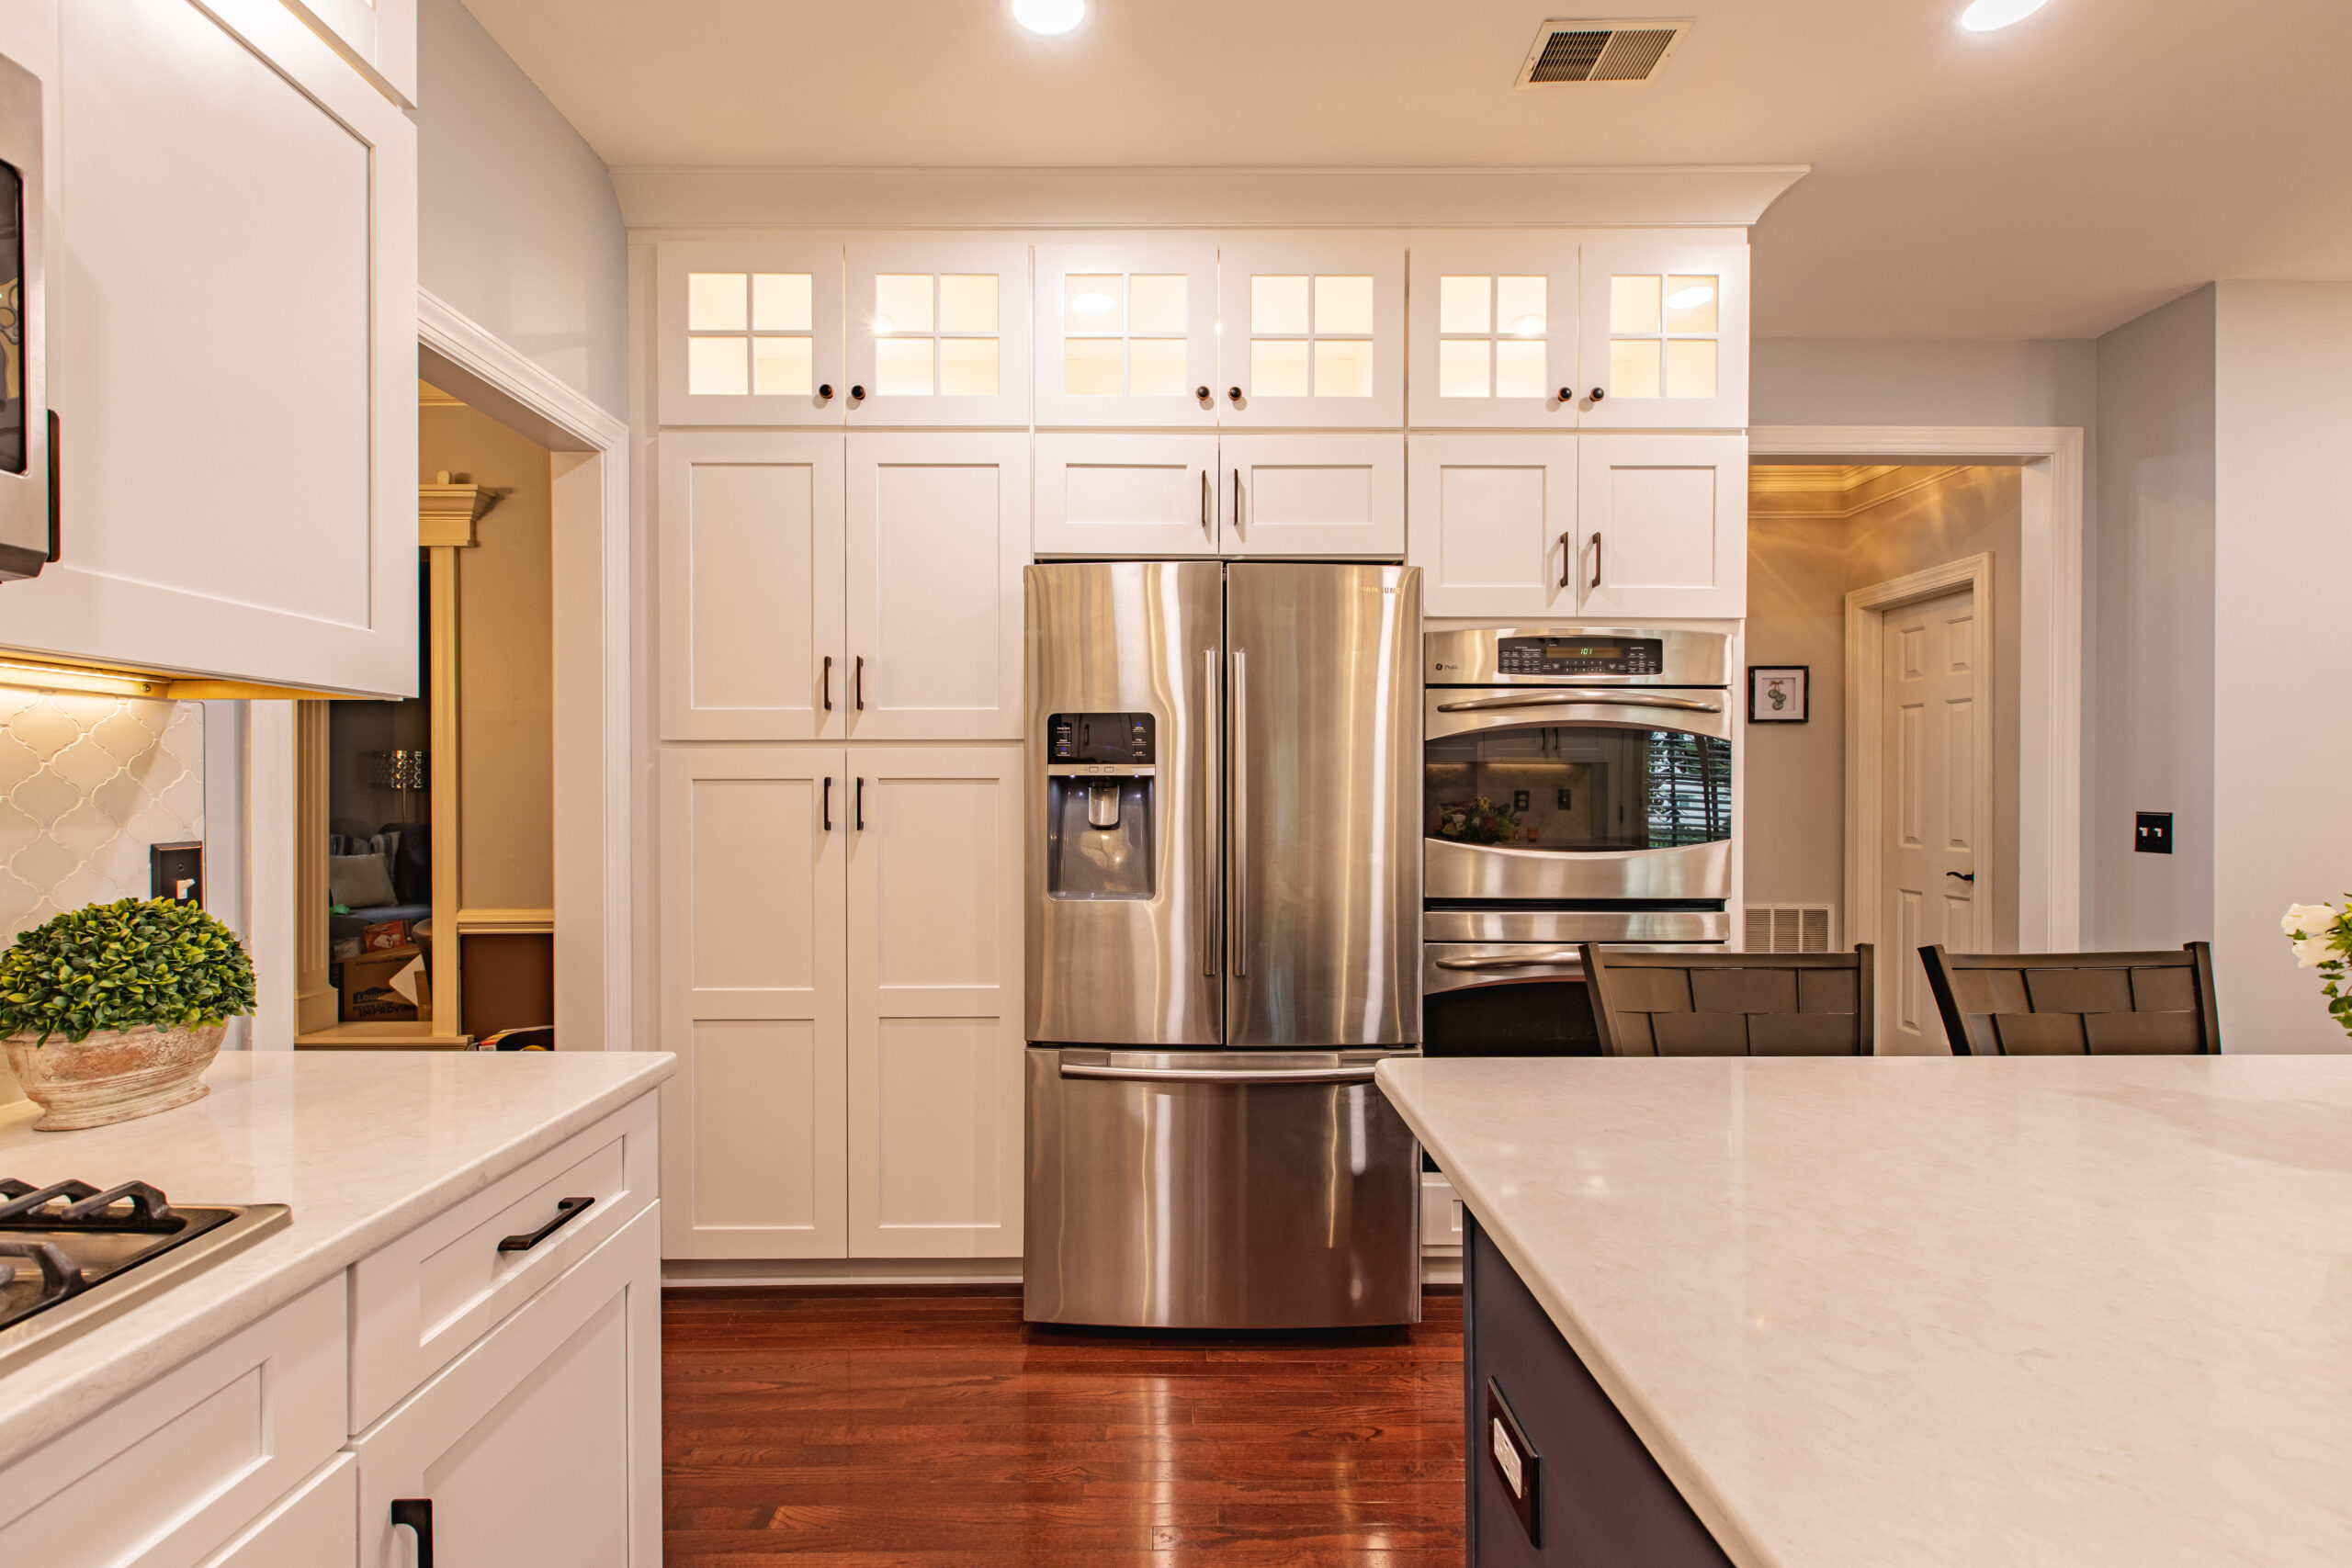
(1566, 53)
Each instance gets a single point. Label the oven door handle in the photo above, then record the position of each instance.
(1521, 961)
(1361, 1074)
(1580, 699)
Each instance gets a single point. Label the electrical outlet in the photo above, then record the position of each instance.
(2154, 833)
(1564, 801)
(1518, 800)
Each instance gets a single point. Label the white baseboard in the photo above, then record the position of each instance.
(714, 1273)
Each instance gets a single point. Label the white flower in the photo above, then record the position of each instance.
(2313, 952)
(2307, 917)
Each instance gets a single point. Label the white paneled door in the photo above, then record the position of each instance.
(1662, 525)
(1932, 818)
(938, 333)
(754, 565)
(1492, 524)
(1126, 334)
(1494, 335)
(938, 533)
(1104, 493)
(1663, 337)
(934, 1002)
(755, 862)
(749, 332)
(1287, 497)
(1311, 334)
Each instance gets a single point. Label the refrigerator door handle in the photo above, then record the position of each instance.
(1361, 1074)
(1240, 826)
(1205, 850)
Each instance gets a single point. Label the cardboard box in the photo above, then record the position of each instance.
(363, 986)
(385, 937)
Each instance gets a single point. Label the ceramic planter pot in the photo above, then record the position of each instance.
(115, 1076)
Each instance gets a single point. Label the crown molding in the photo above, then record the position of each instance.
(1730, 196)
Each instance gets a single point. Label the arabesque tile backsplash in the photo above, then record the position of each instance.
(86, 784)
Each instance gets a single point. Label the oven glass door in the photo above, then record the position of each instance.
(1571, 787)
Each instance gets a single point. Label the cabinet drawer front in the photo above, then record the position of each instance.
(424, 1298)
(316, 1527)
(168, 1475)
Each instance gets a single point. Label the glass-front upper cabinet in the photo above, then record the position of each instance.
(751, 333)
(1664, 337)
(1494, 335)
(1126, 334)
(1311, 335)
(938, 333)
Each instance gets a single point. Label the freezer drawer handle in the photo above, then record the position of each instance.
(1631, 699)
(1524, 961)
(1220, 1075)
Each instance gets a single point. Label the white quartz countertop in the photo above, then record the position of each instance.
(1909, 1311)
(365, 1146)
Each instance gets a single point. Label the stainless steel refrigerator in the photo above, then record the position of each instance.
(1223, 928)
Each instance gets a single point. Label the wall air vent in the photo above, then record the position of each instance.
(1569, 53)
(1790, 928)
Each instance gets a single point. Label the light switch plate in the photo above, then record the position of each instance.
(176, 871)
(2153, 834)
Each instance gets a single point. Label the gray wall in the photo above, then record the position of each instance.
(2148, 576)
(517, 224)
(1910, 381)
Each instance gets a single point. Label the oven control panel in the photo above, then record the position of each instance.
(1578, 656)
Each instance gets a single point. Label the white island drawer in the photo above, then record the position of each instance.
(164, 1477)
(421, 1299)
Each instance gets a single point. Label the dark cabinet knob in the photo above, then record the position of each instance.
(1567, 395)
(1599, 393)
(825, 391)
(1234, 393)
(1204, 394)
(857, 394)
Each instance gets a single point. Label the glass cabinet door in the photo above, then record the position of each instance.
(1126, 334)
(1664, 337)
(751, 333)
(1310, 335)
(1494, 335)
(938, 334)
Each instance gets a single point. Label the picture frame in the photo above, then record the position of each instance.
(1779, 694)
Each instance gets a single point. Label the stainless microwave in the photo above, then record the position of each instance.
(28, 491)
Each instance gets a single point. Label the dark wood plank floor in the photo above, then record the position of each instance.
(934, 1428)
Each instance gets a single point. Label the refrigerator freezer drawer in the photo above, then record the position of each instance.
(1218, 1190)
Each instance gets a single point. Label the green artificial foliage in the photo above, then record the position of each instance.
(117, 965)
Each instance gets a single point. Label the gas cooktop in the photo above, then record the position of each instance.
(71, 1256)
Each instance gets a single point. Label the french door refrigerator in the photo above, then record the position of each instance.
(1224, 902)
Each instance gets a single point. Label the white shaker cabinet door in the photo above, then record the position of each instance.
(1494, 335)
(1664, 336)
(937, 334)
(749, 332)
(1105, 494)
(1663, 521)
(753, 553)
(543, 1443)
(1126, 334)
(1311, 334)
(938, 533)
(754, 853)
(315, 1526)
(1491, 521)
(935, 1014)
(1289, 497)
(232, 355)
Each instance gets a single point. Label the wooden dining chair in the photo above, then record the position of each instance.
(2075, 1004)
(1731, 1004)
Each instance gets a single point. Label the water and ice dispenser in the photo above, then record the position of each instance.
(1099, 772)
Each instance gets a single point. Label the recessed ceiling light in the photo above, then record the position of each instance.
(1989, 15)
(1050, 17)
(1698, 294)
(1092, 304)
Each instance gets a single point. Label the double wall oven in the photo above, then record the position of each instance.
(1576, 786)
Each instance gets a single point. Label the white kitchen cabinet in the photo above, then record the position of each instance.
(1663, 521)
(542, 1443)
(749, 332)
(756, 847)
(1115, 495)
(313, 1527)
(1663, 336)
(1311, 335)
(937, 334)
(938, 534)
(1494, 335)
(378, 37)
(1491, 521)
(753, 542)
(934, 1002)
(1314, 495)
(1126, 334)
(232, 274)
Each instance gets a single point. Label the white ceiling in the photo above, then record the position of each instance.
(2051, 180)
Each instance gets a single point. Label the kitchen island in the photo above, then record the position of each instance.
(1906, 1311)
(395, 1339)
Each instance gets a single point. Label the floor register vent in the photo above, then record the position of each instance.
(1566, 53)
(1789, 928)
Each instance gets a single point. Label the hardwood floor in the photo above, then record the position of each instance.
(934, 1428)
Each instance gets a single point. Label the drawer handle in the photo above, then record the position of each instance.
(416, 1513)
(566, 1211)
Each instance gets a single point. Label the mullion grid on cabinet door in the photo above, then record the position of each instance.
(1493, 335)
(1126, 334)
(941, 335)
(1666, 336)
(1312, 335)
(750, 334)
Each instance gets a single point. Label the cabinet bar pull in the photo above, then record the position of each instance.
(858, 810)
(858, 676)
(1240, 808)
(1237, 496)
(56, 494)
(416, 1513)
(566, 1211)
(829, 803)
(1567, 554)
(829, 678)
(1596, 562)
(1205, 526)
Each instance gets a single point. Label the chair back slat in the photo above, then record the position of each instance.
(1731, 1004)
(2075, 1004)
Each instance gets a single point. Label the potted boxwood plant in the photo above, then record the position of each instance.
(114, 1011)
